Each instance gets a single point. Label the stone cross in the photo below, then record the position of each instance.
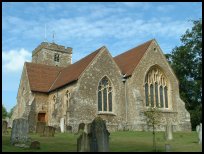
(19, 133)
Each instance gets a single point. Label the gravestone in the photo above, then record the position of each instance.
(69, 129)
(35, 145)
(200, 134)
(167, 148)
(169, 132)
(83, 143)
(40, 127)
(197, 128)
(4, 127)
(62, 125)
(49, 131)
(81, 127)
(19, 133)
(99, 136)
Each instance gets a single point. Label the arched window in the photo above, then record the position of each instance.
(152, 95)
(161, 97)
(146, 94)
(155, 87)
(166, 97)
(105, 95)
(156, 94)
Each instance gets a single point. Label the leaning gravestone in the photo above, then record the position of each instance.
(169, 132)
(19, 133)
(99, 136)
(4, 127)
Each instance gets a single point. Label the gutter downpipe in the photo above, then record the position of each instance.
(126, 100)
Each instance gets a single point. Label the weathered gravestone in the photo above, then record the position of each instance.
(40, 127)
(167, 148)
(200, 134)
(4, 127)
(69, 129)
(49, 131)
(197, 128)
(83, 141)
(99, 136)
(94, 138)
(62, 121)
(19, 133)
(81, 127)
(169, 132)
(35, 145)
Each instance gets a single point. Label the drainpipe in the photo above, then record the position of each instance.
(126, 100)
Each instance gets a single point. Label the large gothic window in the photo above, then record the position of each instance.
(105, 95)
(156, 88)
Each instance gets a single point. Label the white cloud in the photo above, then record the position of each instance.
(13, 60)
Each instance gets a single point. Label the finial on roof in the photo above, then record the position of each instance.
(53, 37)
(45, 33)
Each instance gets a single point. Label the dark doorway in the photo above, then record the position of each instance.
(41, 117)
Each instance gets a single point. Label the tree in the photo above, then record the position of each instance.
(186, 61)
(153, 116)
(11, 112)
(4, 112)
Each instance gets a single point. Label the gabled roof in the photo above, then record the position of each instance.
(41, 76)
(128, 60)
(45, 78)
(72, 72)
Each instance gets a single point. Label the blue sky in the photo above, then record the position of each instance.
(85, 27)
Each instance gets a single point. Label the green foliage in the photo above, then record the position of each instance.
(11, 112)
(4, 112)
(186, 61)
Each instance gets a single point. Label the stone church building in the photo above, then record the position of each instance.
(118, 89)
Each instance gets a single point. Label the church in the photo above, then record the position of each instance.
(118, 89)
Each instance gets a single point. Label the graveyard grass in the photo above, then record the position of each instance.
(124, 141)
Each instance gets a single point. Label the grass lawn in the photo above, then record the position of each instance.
(119, 142)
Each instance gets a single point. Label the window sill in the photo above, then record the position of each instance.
(106, 113)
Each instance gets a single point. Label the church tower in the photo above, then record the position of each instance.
(52, 54)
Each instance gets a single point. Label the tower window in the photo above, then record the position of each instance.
(56, 57)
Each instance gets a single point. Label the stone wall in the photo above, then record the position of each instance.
(84, 100)
(136, 93)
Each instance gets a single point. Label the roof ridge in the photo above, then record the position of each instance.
(67, 69)
(135, 47)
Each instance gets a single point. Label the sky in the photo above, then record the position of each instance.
(86, 26)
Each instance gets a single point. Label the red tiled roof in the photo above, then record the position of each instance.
(44, 78)
(72, 72)
(41, 76)
(128, 60)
